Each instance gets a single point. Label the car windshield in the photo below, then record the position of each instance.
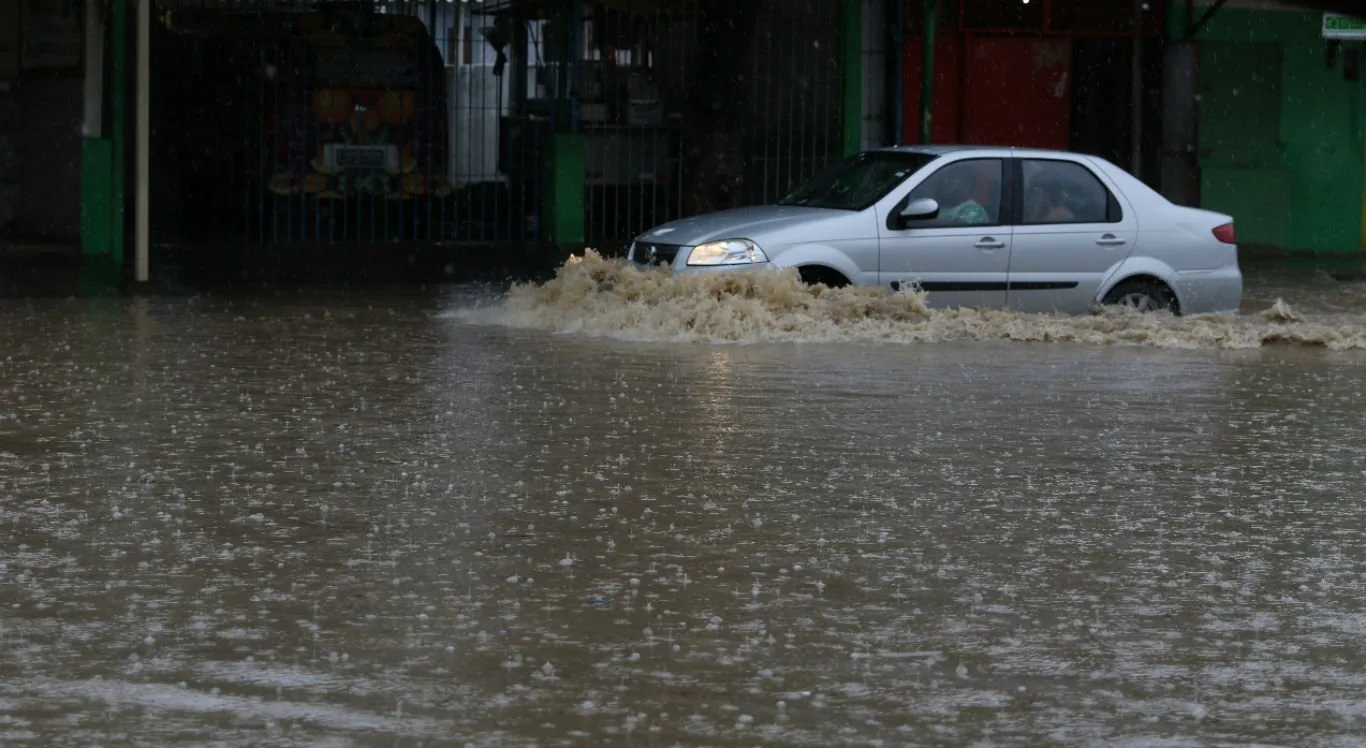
(858, 182)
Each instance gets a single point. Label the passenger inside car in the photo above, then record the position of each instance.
(1045, 201)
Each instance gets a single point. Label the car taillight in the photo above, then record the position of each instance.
(1224, 233)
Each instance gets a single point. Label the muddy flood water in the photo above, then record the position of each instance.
(619, 510)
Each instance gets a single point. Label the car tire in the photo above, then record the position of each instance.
(1143, 295)
(813, 275)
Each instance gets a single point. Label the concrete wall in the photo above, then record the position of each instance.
(876, 51)
(1306, 191)
(49, 139)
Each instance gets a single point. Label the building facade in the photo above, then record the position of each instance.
(560, 124)
(1281, 112)
(1239, 106)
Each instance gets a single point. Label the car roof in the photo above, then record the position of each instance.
(943, 150)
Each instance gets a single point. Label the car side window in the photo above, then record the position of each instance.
(968, 193)
(1065, 192)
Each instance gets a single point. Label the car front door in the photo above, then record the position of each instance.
(961, 255)
(1074, 228)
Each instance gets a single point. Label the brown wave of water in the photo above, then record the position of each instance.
(594, 296)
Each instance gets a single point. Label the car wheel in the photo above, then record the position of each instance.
(1143, 296)
(818, 275)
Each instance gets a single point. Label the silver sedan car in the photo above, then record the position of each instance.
(1031, 230)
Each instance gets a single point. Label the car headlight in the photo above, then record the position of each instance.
(727, 252)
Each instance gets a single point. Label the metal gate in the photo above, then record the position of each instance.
(698, 105)
(316, 123)
(305, 122)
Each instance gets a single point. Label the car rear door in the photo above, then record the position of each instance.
(1072, 228)
(958, 263)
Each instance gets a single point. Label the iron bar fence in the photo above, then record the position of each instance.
(299, 121)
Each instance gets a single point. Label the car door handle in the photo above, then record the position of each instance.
(989, 243)
(1110, 240)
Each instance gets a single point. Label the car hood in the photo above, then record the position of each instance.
(739, 223)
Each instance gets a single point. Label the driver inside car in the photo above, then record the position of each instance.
(955, 191)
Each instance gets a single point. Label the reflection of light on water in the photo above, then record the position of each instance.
(594, 296)
(717, 393)
(142, 332)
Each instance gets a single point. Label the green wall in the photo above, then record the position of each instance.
(1306, 194)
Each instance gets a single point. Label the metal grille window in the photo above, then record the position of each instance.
(322, 124)
(702, 106)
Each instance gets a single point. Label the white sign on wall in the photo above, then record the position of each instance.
(1339, 26)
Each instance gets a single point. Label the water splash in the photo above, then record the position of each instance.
(595, 296)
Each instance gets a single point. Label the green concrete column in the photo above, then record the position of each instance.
(95, 150)
(563, 184)
(96, 198)
(118, 24)
(563, 197)
(101, 157)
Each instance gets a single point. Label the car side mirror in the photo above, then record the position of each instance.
(920, 209)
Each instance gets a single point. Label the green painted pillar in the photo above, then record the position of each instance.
(851, 37)
(927, 43)
(98, 274)
(100, 271)
(95, 149)
(96, 198)
(564, 190)
(564, 201)
(118, 25)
